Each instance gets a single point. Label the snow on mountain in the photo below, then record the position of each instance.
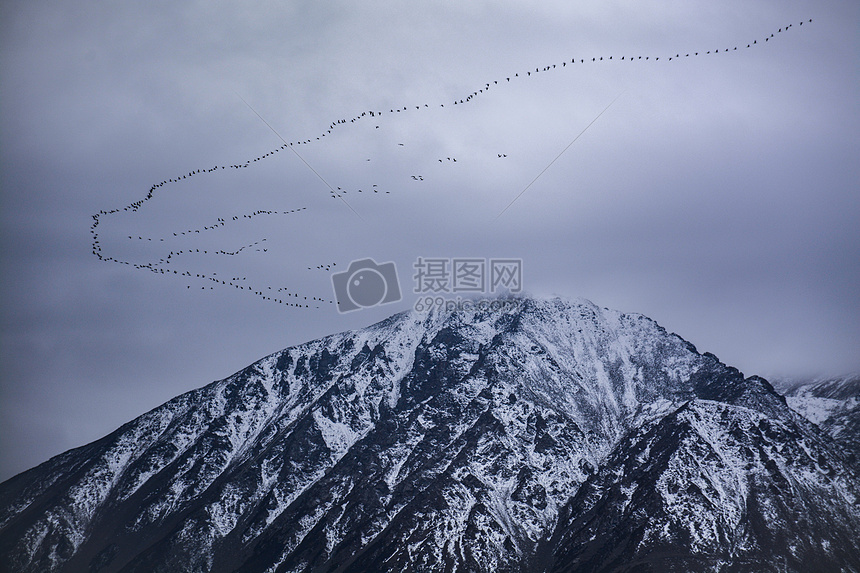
(715, 487)
(831, 403)
(452, 441)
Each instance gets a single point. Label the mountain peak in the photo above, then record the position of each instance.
(458, 439)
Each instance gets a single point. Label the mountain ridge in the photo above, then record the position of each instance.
(833, 404)
(446, 441)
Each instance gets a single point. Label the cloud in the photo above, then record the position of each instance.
(717, 195)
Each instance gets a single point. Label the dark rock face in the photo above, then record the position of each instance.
(713, 487)
(550, 435)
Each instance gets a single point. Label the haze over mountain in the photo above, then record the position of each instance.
(541, 435)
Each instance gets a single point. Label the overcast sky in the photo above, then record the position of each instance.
(716, 193)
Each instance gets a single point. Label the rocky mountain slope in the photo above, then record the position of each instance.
(545, 435)
(831, 403)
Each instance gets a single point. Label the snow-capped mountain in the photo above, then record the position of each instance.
(545, 435)
(714, 487)
(831, 403)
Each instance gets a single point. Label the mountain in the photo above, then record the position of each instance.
(542, 435)
(831, 403)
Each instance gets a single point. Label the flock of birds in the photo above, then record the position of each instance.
(282, 295)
